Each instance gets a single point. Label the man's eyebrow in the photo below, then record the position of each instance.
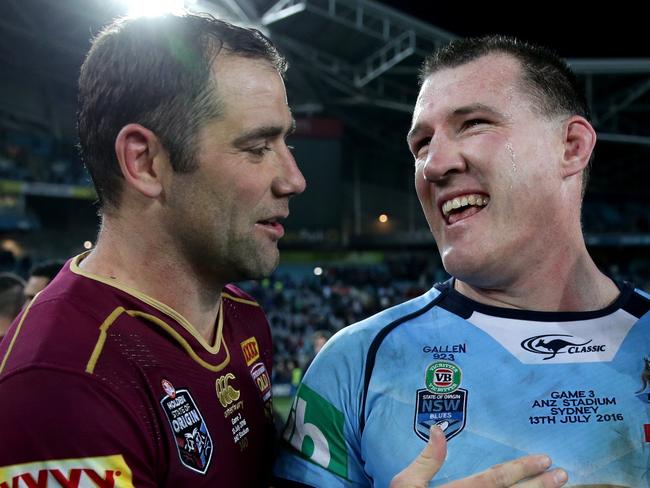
(458, 112)
(476, 107)
(264, 132)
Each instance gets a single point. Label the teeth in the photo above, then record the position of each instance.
(464, 201)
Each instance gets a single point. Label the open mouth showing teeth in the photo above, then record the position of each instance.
(461, 207)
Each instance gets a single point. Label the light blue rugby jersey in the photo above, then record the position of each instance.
(501, 383)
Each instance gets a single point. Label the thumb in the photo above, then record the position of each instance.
(420, 472)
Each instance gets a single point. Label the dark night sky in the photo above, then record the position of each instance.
(574, 31)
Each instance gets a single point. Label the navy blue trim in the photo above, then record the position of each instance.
(638, 305)
(374, 346)
(460, 305)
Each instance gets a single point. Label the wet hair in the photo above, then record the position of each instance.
(554, 89)
(156, 72)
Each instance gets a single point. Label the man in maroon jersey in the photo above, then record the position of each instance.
(139, 365)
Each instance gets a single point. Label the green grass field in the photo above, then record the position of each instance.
(282, 405)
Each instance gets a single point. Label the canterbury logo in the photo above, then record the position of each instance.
(225, 392)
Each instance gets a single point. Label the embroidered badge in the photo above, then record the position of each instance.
(446, 410)
(193, 440)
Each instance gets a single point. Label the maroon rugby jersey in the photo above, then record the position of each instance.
(103, 386)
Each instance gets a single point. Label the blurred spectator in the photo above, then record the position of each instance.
(11, 300)
(40, 275)
(319, 338)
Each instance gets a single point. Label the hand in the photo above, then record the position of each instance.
(532, 469)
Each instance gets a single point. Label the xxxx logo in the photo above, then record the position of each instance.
(225, 392)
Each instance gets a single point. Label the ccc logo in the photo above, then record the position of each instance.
(225, 392)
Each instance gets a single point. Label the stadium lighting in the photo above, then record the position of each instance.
(318, 271)
(383, 218)
(153, 8)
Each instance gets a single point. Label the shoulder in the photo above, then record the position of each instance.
(236, 295)
(363, 333)
(345, 354)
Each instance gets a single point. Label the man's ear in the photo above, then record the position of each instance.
(140, 155)
(579, 139)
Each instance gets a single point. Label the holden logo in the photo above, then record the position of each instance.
(553, 344)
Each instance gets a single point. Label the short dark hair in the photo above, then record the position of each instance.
(11, 294)
(546, 77)
(47, 269)
(156, 72)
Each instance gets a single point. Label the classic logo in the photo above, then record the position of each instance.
(554, 344)
(251, 350)
(225, 392)
(447, 410)
(193, 441)
(104, 472)
(442, 377)
(315, 429)
(262, 380)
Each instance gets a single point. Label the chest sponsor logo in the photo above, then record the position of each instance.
(100, 472)
(262, 380)
(448, 411)
(553, 344)
(193, 441)
(251, 350)
(442, 377)
(315, 429)
(225, 391)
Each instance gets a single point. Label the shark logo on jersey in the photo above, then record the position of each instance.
(447, 410)
(644, 393)
(553, 344)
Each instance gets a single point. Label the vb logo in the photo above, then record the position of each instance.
(442, 377)
(225, 392)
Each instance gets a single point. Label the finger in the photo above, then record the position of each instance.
(419, 473)
(551, 479)
(506, 474)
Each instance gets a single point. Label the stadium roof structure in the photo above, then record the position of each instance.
(353, 59)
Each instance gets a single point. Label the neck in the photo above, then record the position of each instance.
(573, 283)
(157, 269)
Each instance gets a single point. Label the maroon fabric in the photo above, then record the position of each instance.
(146, 399)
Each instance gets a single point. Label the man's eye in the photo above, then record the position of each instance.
(259, 151)
(473, 123)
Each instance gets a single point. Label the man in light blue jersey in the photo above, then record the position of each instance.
(529, 347)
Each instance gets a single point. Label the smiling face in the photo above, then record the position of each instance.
(226, 216)
(488, 170)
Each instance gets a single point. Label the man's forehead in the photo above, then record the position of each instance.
(489, 81)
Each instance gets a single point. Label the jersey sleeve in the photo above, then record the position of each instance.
(320, 445)
(59, 428)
